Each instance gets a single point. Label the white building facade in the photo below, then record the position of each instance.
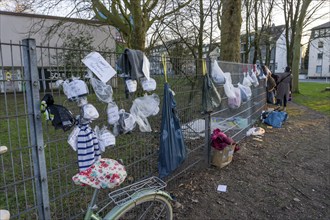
(49, 32)
(319, 52)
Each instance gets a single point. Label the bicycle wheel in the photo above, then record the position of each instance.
(146, 208)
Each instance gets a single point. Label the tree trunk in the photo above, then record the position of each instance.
(296, 45)
(231, 21)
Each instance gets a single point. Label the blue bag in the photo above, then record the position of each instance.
(276, 119)
(172, 149)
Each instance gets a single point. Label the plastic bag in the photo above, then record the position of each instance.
(73, 136)
(144, 107)
(276, 119)
(103, 91)
(148, 85)
(74, 89)
(229, 90)
(125, 124)
(254, 81)
(131, 85)
(247, 80)
(217, 73)
(210, 96)
(113, 113)
(246, 92)
(89, 112)
(105, 137)
(235, 102)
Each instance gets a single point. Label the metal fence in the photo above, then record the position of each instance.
(36, 172)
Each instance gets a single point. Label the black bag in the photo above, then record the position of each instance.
(60, 116)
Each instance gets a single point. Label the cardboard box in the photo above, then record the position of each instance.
(222, 158)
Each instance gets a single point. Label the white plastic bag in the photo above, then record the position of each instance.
(89, 112)
(254, 78)
(217, 73)
(73, 136)
(247, 80)
(144, 107)
(74, 89)
(113, 113)
(131, 85)
(246, 92)
(235, 102)
(105, 137)
(103, 91)
(229, 90)
(148, 85)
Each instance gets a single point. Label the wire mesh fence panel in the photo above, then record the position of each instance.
(20, 180)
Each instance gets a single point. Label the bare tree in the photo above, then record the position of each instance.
(134, 18)
(297, 14)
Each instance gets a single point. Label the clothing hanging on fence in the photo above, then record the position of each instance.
(210, 96)
(87, 147)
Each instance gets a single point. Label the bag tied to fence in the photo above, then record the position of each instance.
(60, 116)
(172, 150)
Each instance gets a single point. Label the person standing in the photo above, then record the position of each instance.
(284, 86)
(271, 84)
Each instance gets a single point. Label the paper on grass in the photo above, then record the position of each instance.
(222, 188)
(99, 66)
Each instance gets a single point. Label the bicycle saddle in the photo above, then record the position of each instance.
(104, 173)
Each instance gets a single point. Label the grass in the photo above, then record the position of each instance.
(314, 96)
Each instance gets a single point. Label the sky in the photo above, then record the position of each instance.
(278, 15)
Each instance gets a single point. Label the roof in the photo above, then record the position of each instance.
(276, 31)
(325, 25)
(77, 20)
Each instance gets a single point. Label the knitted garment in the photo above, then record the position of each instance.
(87, 147)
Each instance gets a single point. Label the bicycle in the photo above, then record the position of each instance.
(144, 199)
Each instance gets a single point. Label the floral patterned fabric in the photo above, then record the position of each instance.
(104, 173)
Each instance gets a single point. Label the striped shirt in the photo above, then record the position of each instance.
(87, 147)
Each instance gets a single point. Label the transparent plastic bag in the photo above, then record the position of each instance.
(105, 137)
(103, 91)
(74, 89)
(254, 78)
(247, 80)
(217, 73)
(144, 107)
(72, 138)
(113, 113)
(229, 90)
(89, 112)
(246, 92)
(131, 85)
(148, 85)
(125, 124)
(235, 102)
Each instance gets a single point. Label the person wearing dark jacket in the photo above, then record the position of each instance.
(271, 84)
(284, 86)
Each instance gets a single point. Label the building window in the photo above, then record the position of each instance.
(317, 33)
(275, 66)
(319, 55)
(320, 44)
(319, 69)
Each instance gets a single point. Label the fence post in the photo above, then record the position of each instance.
(208, 124)
(36, 135)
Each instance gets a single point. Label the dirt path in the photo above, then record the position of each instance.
(286, 176)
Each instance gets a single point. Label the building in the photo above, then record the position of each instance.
(49, 32)
(319, 52)
(272, 42)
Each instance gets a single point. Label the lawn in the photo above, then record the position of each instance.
(314, 96)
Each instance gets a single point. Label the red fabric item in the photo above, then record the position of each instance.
(220, 140)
